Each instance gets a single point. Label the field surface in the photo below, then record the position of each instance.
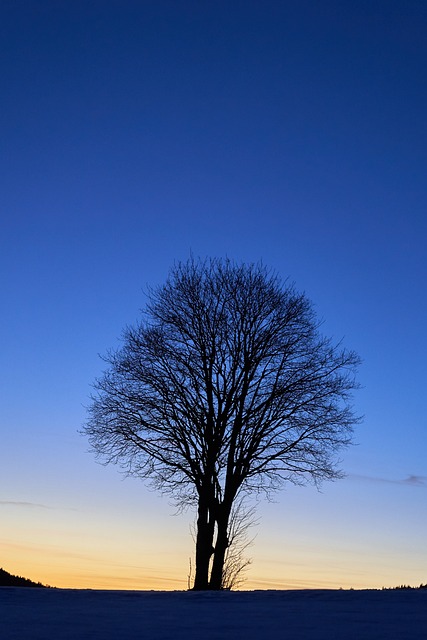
(62, 614)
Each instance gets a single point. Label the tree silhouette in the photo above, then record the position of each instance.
(9, 580)
(226, 387)
(242, 518)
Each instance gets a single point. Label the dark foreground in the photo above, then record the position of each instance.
(62, 614)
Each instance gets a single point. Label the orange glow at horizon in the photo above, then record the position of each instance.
(139, 545)
(70, 571)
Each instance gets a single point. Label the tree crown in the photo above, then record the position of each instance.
(225, 385)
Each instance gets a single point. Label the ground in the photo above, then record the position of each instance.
(62, 614)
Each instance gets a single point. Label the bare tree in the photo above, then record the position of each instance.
(226, 387)
(242, 519)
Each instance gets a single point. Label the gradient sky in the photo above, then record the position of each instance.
(133, 133)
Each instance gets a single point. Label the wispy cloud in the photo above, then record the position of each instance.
(33, 505)
(411, 480)
(44, 549)
(418, 481)
(16, 503)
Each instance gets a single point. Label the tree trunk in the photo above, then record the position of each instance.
(216, 580)
(204, 547)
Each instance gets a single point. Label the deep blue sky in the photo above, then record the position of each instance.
(134, 133)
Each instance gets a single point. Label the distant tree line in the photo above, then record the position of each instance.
(9, 580)
(405, 586)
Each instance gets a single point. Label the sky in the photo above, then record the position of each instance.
(134, 134)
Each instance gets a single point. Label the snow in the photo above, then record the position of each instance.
(62, 614)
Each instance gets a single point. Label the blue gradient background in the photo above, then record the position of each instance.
(134, 133)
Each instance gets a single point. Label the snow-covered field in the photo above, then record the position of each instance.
(59, 614)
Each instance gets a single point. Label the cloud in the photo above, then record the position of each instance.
(417, 481)
(31, 505)
(411, 480)
(44, 549)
